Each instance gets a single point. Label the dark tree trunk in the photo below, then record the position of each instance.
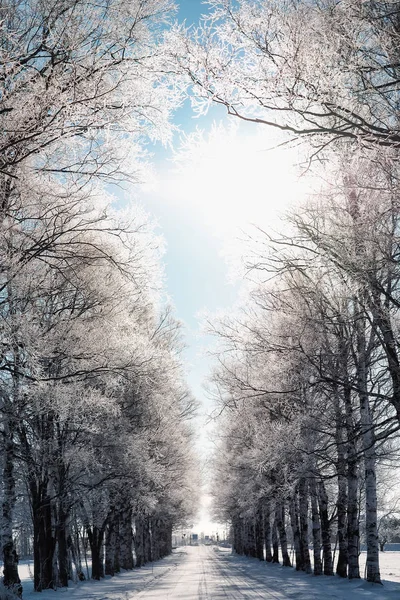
(61, 510)
(275, 544)
(11, 578)
(259, 535)
(267, 531)
(61, 535)
(325, 529)
(168, 532)
(280, 523)
(316, 527)
(44, 542)
(117, 567)
(250, 538)
(126, 539)
(341, 504)
(295, 525)
(238, 544)
(165, 537)
(353, 527)
(110, 545)
(155, 544)
(44, 539)
(9, 404)
(147, 540)
(96, 538)
(245, 538)
(303, 514)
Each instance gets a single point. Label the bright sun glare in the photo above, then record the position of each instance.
(236, 177)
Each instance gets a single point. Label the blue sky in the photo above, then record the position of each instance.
(196, 273)
(191, 10)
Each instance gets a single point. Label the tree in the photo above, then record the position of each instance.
(84, 323)
(76, 80)
(389, 529)
(314, 311)
(80, 87)
(323, 70)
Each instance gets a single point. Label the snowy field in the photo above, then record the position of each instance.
(210, 573)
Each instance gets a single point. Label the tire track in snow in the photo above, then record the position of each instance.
(239, 578)
(153, 582)
(202, 589)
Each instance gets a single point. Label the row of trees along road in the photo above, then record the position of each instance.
(94, 408)
(308, 373)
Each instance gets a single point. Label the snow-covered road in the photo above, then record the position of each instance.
(204, 572)
(208, 573)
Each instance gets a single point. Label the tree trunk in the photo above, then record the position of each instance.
(38, 483)
(267, 531)
(139, 545)
(259, 535)
(280, 523)
(238, 544)
(316, 527)
(11, 578)
(353, 526)
(368, 439)
(126, 539)
(325, 529)
(76, 556)
(341, 504)
(165, 537)
(373, 571)
(110, 546)
(275, 544)
(61, 536)
(147, 541)
(96, 537)
(61, 510)
(250, 538)
(245, 538)
(155, 544)
(117, 553)
(294, 523)
(44, 542)
(43, 539)
(168, 532)
(303, 517)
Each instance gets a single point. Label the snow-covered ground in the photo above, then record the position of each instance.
(205, 572)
